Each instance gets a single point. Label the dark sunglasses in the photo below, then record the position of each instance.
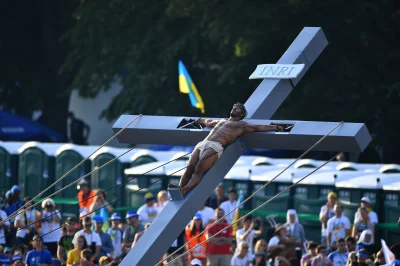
(87, 225)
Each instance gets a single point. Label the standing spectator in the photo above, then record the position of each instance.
(295, 229)
(366, 242)
(147, 213)
(25, 222)
(116, 235)
(325, 214)
(106, 243)
(219, 246)
(230, 205)
(338, 226)
(65, 242)
(350, 244)
(3, 227)
(193, 232)
(339, 257)
(74, 255)
(100, 203)
(311, 253)
(219, 197)
(243, 256)
(92, 238)
(78, 130)
(366, 203)
(4, 257)
(247, 233)
(162, 200)
(363, 223)
(85, 197)
(16, 191)
(177, 244)
(322, 258)
(207, 215)
(38, 256)
(134, 226)
(50, 226)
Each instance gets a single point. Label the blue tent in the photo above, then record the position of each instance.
(18, 128)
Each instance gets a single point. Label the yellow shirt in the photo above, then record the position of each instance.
(73, 256)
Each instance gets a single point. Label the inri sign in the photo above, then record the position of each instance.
(279, 71)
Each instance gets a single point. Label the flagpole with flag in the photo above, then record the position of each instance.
(187, 86)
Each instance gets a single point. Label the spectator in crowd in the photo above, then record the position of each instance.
(207, 215)
(363, 223)
(86, 257)
(311, 253)
(352, 259)
(338, 226)
(260, 259)
(380, 258)
(85, 197)
(247, 233)
(363, 258)
(116, 235)
(242, 257)
(284, 246)
(65, 242)
(38, 256)
(339, 257)
(138, 235)
(18, 263)
(366, 242)
(3, 227)
(103, 261)
(26, 222)
(218, 251)
(134, 226)
(4, 257)
(92, 238)
(193, 232)
(295, 229)
(322, 258)
(74, 255)
(219, 197)
(18, 253)
(366, 203)
(50, 220)
(325, 214)
(106, 243)
(350, 243)
(100, 203)
(16, 191)
(78, 130)
(162, 200)
(177, 244)
(148, 212)
(230, 205)
(260, 246)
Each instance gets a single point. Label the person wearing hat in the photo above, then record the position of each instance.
(106, 243)
(65, 242)
(366, 203)
(193, 231)
(85, 197)
(283, 245)
(295, 229)
(38, 256)
(148, 211)
(134, 226)
(50, 225)
(116, 235)
(196, 262)
(5, 254)
(16, 191)
(325, 214)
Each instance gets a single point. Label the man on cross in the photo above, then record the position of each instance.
(207, 152)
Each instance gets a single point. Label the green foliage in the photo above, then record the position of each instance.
(140, 42)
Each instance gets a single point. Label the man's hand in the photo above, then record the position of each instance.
(279, 128)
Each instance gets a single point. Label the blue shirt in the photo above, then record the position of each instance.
(33, 258)
(338, 259)
(5, 260)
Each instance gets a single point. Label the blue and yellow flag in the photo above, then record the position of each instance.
(237, 213)
(187, 86)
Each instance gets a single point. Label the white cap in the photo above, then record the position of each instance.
(196, 262)
(366, 199)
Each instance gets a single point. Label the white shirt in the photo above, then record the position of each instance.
(90, 238)
(273, 241)
(249, 239)
(47, 227)
(116, 238)
(207, 214)
(147, 214)
(30, 219)
(161, 206)
(236, 261)
(3, 216)
(228, 206)
(337, 227)
(331, 213)
(373, 217)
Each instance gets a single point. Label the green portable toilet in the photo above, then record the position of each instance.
(239, 178)
(36, 168)
(9, 164)
(144, 156)
(388, 225)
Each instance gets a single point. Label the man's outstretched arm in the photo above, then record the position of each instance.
(208, 122)
(261, 128)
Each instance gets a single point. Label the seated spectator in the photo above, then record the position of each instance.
(285, 246)
(229, 205)
(194, 238)
(339, 257)
(322, 258)
(38, 256)
(363, 258)
(363, 223)
(148, 212)
(247, 233)
(366, 242)
(311, 253)
(93, 239)
(242, 256)
(295, 229)
(350, 244)
(86, 258)
(74, 255)
(352, 259)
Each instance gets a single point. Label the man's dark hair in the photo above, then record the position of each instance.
(248, 218)
(232, 190)
(87, 254)
(87, 219)
(351, 239)
(242, 108)
(312, 245)
(341, 240)
(319, 248)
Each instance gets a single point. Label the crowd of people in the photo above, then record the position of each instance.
(100, 236)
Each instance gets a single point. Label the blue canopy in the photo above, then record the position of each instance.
(18, 128)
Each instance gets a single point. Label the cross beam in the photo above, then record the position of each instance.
(262, 104)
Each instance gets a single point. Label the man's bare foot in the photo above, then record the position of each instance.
(173, 186)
